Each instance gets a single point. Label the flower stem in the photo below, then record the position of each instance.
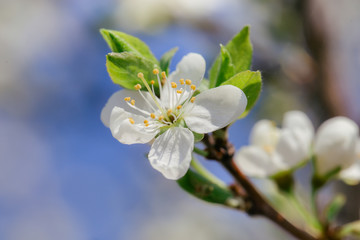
(201, 152)
(205, 173)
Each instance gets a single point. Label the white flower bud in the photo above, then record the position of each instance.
(335, 144)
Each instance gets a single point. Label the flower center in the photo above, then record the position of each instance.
(169, 108)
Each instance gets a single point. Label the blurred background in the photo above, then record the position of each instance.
(62, 174)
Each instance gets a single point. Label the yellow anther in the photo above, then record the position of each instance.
(146, 124)
(146, 121)
(179, 91)
(179, 107)
(156, 71)
(132, 102)
(140, 75)
(161, 117)
(193, 87)
(269, 149)
(188, 82)
(152, 82)
(137, 87)
(169, 111)
(173, 85)
(192, 99)
(131, 121)
(152, 115)
(182, 81)
(163, 74)
(127, 99)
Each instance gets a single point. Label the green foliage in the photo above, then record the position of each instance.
(202, 188)
(122, 42)
(235, 57)
(165, 60)
(198, 136)
(124, 67)
(334, 207)
(250, 83)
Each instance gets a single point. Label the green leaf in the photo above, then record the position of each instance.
(124, 67)
(250, 83)
(238, 52)
(350, 229)
(166, 59)
(122, 42)
(226, 68)
(202, 188)
(198, 136)
(334, 207)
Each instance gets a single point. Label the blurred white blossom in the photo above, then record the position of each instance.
(273, 150)
(335, 144)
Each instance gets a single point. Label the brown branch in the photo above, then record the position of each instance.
(221, 150)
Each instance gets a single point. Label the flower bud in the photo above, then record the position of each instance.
(335, 144)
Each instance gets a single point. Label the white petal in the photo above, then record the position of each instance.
(264, 134)
(117, 99)
(255, 162)
(171, 152)
(215, 108)
(191, 66)
(351, 175)
(292, 147)
(335, 144)
(299, 120)
(128, 133)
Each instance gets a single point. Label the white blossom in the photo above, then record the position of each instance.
(139, 116)
(273, 150)
(336, 145)
(351, 175)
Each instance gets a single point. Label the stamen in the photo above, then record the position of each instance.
(173, 85)
(192, 99)
(163, 74)
(132, 102)
(131, 120)
(193, 87)
(127, 99)
(156, 71)
(152, 82)
(137, 87)
(182, 82)
(146, 124)
(146, 121)
(161, 117)
(169, 111)
(178, 107)
(141, 76)
(179, 91)
(188, 82)
(152, 115)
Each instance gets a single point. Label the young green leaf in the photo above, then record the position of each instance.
(165, 60)
(250, 83)
(122, 42)
(202, 188)
(334, 207)
(239, 51)
(226, 68)
(124, 67)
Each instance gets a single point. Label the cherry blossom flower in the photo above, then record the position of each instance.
(273, 150)
(337, 145)
(140, 116)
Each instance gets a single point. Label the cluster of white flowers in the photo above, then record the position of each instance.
(335, 145)
(140, 116)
